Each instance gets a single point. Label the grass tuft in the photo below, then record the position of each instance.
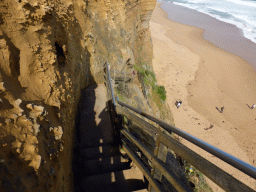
(150, 79)
(161, 91)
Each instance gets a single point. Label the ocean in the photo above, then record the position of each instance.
(229, 24)
(241, 13)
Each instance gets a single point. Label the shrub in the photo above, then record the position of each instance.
(147, 72)
(161, 91)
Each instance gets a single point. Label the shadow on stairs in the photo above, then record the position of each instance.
(98, 164)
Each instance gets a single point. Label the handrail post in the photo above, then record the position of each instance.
(124, 76)
(114, 76)
(156, 150)
(111, 86)
(111, 100)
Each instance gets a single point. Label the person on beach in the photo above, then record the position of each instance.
(221, 109)
(178, 103)
(253, 106)
(211, 126)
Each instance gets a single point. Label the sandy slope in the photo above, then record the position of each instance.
(205, 77)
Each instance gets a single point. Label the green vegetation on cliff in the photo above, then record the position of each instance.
(150, 79)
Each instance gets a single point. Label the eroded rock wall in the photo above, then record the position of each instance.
(49, 51)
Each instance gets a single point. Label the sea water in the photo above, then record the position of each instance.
(241, 13)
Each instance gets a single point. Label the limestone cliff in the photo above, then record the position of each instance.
(49, 51)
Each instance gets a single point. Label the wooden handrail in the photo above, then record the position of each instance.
(217, 175)
(176, 182)
(235, 162)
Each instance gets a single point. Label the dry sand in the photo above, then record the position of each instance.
(204, 77)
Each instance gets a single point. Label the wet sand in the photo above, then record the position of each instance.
(224, 35)
(204, 77)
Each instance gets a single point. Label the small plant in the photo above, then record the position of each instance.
(125, 120)
(161, 91)
(119, 94)
(195, 177)
(147, 72)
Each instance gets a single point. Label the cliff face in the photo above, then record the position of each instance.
(49, 51)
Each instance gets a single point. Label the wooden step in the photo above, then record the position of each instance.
(142, 190)
(99, 152)
(105, 165)
(121, 181)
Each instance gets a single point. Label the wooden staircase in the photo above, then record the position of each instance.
(98, 164)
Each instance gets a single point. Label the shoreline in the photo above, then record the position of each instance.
(204, 77)
(222, 34)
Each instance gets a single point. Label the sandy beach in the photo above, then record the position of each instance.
(204, 77)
